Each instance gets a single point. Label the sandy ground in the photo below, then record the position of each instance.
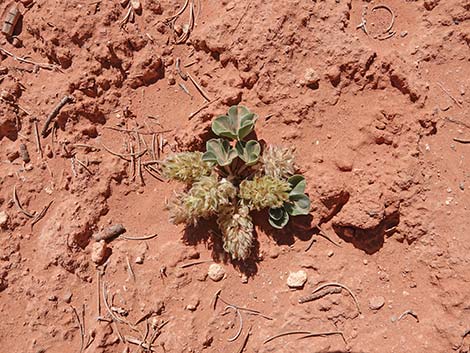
(379, 118)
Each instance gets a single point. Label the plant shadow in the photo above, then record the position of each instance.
(299, 227)
(369, 240)
(206, 232)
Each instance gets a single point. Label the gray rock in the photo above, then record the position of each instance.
(297, 279)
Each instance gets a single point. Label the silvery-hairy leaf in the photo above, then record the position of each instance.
(236, 125)
(297, 183)
(248, 151)
(219, 151)
(278, 217)
(298, 205)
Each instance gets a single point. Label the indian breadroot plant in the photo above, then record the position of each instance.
(234, 177)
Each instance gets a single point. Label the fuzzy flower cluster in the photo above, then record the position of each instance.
(237, 229)
(203, 200)
(186, 167)
(278, 162)
(265, 191)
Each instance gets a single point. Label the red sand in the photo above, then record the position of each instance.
(374, 138)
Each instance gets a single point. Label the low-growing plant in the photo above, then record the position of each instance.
(234, 177)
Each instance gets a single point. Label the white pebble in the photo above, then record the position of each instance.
(297, 279)
(216, 272)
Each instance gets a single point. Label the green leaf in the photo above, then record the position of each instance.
(248, 151)
(278, 217)
(236, 125)
(219, 151)
(298, 205)
(276, 213)
(297, 183)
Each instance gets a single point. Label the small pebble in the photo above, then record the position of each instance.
(330, 253)
(274, 253)
(139, 260)
(297, 279)
(462, 186)
(49, 152)
(365, 262)
(376, 303)
(244, 278)
(403, 34)
(3, 219)
(68, 297)
(216, 272)
(311, 77)
(193, 305)
(171, 80)
(52, 298)
(98, 252)
(24, 153)
(11, 156)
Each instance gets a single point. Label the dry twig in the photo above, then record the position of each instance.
(323, 235)
(129, 269)
(179, 13)
(327, 333)
(152, 172)
(82, 330)
(450, 95)
(134, 130)
(320, 294)
(465, 334)
(179, 71)
(201, 108)
(37, 138)
(336, 284)
(54, 113)
(240, 318)
(139, 343)
(83, 165)
(125, 156)
(363, 20)
(41, 214)
(108, 308)
(215, 298)
(199, 88)
(185, 89)
(18, 204)
(189, 264)
(248, 310)
(269, 339)
(27, 61)
(154, 138)
(245, 341)
(456, 139)
(148, 237)
(392, 21)
(306, 334)
(408, 312)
